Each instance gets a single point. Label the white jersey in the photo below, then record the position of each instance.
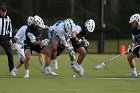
(20, 35)
(77, 29)
(58, 30)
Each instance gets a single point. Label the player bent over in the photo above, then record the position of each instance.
(135, 46)
(80, 43)
(19, 46)
(35, 44)
(60, 36)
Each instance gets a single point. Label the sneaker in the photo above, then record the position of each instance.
(74, 66)
(13, 72)
(133, 74)
(76, 69)
(55, 65)
(50, 72)
(81, 71)
(53, 73)
(26, 75)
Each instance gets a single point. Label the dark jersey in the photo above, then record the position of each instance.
(136, 35)
(82, 33)
(29, 44)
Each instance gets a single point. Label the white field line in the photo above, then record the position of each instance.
(120, 78)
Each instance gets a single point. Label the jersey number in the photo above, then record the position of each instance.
(57, 23)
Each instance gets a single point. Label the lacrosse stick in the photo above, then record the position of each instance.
(102, 65)
(74, 58)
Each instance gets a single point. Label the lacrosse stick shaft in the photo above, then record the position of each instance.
(115, 57)
(74, 58)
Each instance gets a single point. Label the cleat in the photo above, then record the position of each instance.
(13, 72)
(133, 74)
(81, 71)
(77, 69)
(50, 72)
(53, 73)
(26, 76)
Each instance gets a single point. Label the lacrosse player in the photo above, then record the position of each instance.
(60, 40)
(79, 41)
(33, 43)
(135, 46)
(19, 46)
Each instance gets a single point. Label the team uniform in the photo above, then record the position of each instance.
(135, 46)
(63, 37)
(80, 29)
(20, 36)
(60, 47)
(136, 38)
(60, 32)
(32, 34)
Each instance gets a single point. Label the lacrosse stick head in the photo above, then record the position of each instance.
(100, 67)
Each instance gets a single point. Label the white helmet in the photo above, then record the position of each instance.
(30, 20)
(69, 25)
(135, 17)
(90, 25)
(39, 22)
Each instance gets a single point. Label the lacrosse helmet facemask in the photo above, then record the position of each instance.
(38, 22)
(69, 25)
(90, 25)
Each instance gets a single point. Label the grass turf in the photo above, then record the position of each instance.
(112, 79)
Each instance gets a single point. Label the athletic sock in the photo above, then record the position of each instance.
(133, 70)
(26, 71)
(55, 60)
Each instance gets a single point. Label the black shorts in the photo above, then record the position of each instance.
(136, 51)
(75, 45)
(60, 49)
(35, 48)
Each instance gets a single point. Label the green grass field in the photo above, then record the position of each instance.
(113, 79)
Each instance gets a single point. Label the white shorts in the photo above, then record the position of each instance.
(20, 53)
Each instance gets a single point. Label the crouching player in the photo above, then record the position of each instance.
(80, 43)
(61, 31)
(135, 46)
(19, 46)
(33, 43)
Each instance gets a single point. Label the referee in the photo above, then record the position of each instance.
(6, 36)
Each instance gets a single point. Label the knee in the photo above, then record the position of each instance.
(129, 58)
(54, 49)
(28, 58)
(48, 54)
(83, 53)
